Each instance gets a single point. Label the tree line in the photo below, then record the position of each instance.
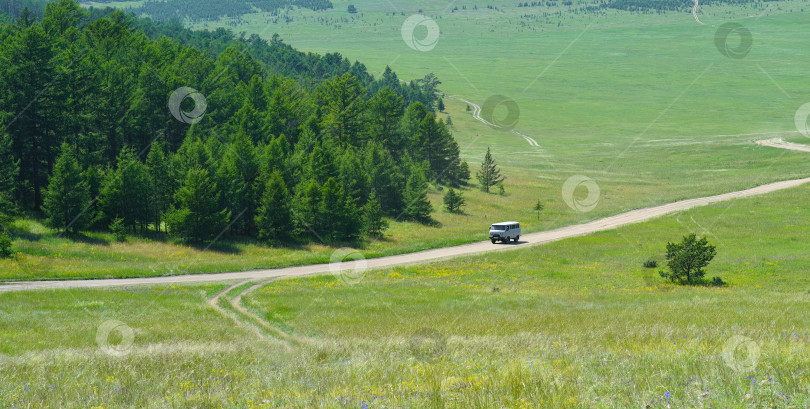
(667, 5)
(88, 142)
(197, 10)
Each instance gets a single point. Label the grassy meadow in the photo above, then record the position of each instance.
(574, 324)
(643, 104)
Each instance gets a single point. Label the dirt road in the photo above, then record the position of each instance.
(532, 239)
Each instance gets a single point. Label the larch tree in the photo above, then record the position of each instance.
(489, 175)
(68, 197)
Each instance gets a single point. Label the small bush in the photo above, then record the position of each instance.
(717, 282)
(118, 229)
(5, 245)
(650, 264)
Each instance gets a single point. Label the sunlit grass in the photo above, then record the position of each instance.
(574, 324)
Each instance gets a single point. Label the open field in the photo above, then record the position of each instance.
(578, 323)
(644, 105)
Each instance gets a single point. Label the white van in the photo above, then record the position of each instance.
(504, 231)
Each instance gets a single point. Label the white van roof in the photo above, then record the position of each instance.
(503, 223)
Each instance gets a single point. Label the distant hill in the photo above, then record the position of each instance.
(196, 10)
(13, 8)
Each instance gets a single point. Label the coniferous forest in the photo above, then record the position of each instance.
(275, 144)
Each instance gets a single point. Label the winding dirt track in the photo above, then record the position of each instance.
(531, 239)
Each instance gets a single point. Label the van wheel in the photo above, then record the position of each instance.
(492, 240)
(517, 238)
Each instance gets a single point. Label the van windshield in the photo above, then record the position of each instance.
(495, 227)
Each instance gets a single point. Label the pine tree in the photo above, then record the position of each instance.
(126, 192)
(28, 64)
(385, 178)
(9, 169)
(538, 207)
(162, 186)
(67, 198)
(440, 105)
(417, 205)
(374, 225)
(453, 201)
(489, 175)
(338, 215)
(197, 215)
(273, 218)
(236, 178)
(306, 208)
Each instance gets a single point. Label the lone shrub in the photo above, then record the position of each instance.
(687, 259)
(650, 263)
(118, 229)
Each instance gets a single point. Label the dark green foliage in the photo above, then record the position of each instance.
(68, 196)
(306, 208)
(162, 184)
(341, 212)
(327, 128)
(665, 5)
(274, 217)
(197, 214)
(9, 170)
(118, 229)
(650, 263)
(489, 175)
(717, 282)
(687, 259)
(5, 244)
(126, 192)
(417, 205)
(440, 107)
(374, 225)
(453, 201)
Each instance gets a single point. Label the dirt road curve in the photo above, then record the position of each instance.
(477, 115)
(527, 240)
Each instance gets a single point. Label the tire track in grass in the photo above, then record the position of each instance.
(477, 115)
(236, 303)
(243, 320)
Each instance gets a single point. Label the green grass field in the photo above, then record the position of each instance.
(645, 105)
(575, 324)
